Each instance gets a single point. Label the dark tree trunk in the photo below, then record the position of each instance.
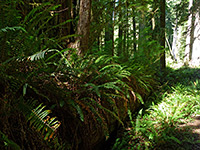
(162, 34)
(64, 15)
(125, 26)
(109, 30)
(134, 31)
(119, 51)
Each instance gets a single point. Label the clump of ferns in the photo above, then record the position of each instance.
(39, 119)
(108, 88)
(96, 82)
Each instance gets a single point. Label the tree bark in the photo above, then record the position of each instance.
(83, 29)
(109, 31)
(196, 40)
(119, 51)
(162, 34)
(134, 31)
(175, 38)
(190, 34)
(64, 15)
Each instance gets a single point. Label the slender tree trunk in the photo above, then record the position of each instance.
(142, 36)
(64, 15)
(175, 38)
(113, 31)
(195, 55)
(119, 51)
(125, 41)
(109, 30)
(155, 20)
(134, 31)
(162, 34)
(190, 34)
(96, 27)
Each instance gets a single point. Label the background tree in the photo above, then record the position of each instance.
(109, 31)
(83, 27)
(162, 34)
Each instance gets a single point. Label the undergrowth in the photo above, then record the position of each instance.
(158, 126)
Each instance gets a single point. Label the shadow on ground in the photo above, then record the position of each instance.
(183, 76)
(187, 135)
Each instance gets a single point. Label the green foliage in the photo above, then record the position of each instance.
(8, 143)
(6, 29)
(41, 121)
(90, 92)
(159, 125)
(31, 33)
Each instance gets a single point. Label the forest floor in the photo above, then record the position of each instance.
(194, 127)
(172, 122)
(189, 133)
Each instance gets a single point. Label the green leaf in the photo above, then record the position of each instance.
(24, 89)
(139, 97)
(13, 29)
(80, 112)
(138, 123)
(37, 56)
(100, 58)
(174, 139)
(117, 66)
(94, 87)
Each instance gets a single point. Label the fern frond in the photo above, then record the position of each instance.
(6, 29)
(79, 110)
(107, 110)
(108, 67)
(29, 18)
(37, 56)
(42, 122)
(111, 85)
(94, 113)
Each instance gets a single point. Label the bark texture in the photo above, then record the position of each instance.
(83, 29)
(162, 34)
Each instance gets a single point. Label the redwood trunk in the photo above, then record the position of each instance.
(83, 29)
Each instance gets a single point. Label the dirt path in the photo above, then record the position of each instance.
(195, 125)
(191, 136)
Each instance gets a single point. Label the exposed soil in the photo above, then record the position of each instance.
(195, 125)
(191, 137)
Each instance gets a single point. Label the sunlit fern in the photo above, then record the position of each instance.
(40, 120)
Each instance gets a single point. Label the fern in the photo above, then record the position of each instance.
(37, 56)
(39, 119)
(29, 18)
(107, 110)
(43, 123)
(78, 108)
(15, 28)
(138, 122)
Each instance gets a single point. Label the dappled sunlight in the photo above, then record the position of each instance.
(173, 120)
